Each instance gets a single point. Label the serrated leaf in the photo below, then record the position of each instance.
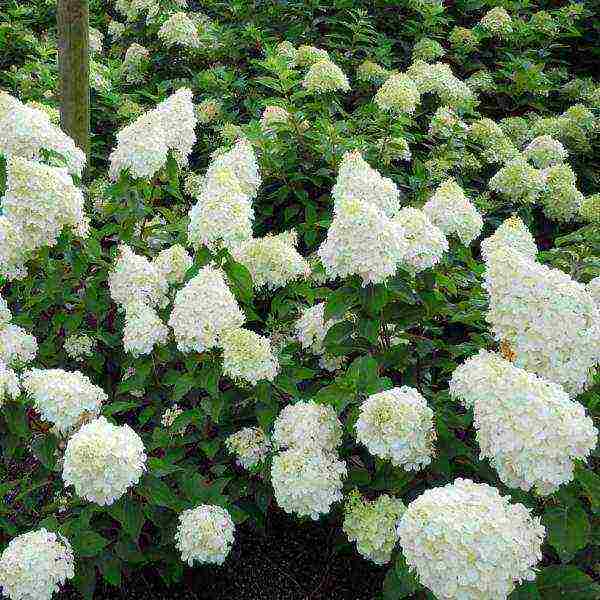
(566, 582)
(590, 482)
(567, 529)
(129, 514)
(339, 302)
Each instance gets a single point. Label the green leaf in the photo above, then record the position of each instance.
(87, 543)
(16, 419)
(363, 372)
(399, 581)
(567, 529)
(526, 591)
(110, 567)
(566, 582)
(240, 280)
(119, 407)
(339, 302)
(85, 579)
(44, 449)
(157, 492)
(590, 482)
(129, 514)
(335, 395)
(374, 298)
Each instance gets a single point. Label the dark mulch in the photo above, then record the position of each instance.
(291, 561)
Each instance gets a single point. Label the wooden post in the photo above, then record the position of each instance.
(74, 66)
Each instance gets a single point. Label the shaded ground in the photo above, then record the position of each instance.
(293, 561)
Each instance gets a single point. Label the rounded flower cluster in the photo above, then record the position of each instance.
(560, 199)
(134, 279)
(482, 81)
(437, 78)
(358, 180)
(9, 383)
(273, 260)
(173, 263)
(143, 147)
(272, 117)
(513, 233)
(371, 72)
(308, 425)
(325, 76)
(250, 446)
(451, 211)
(35, 564)
(17, 347)
(589, 210)
(307, 481)
(288, 51)
(25, 131)
(204, 534)
(426, 242)
(399, 94)
(549, 321)
(372, 525)
(397, 425)
(202, 310)
(170, 415)
(544, 151)
(529, 428)
(445, 123)
(363, 241)
(311, 328)
(79, 346)
(102, 461)
(61, 397)
(224, 213)
(179, 29)
(143, 329)
(465, 541)
(463, 39)
(497, 22)
(427, 50)
(305, 56)
(40, 201)
(247, 356)
(134, 63)
(496, 146)
(519, 182)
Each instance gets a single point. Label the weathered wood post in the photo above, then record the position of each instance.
(74, 66)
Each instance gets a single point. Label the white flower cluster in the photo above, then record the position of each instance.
(62, 397)
(311, 328)
(79, 346)
(451, 211)
(544, 151)
(513, 234)
(549, 321)
(35, 564)
(438, 79)
(133, 63)
(204, 534)
(529, 428)
(362, 240)
(445, 123)
(179, 29)
(102, 461)
(250, 446)
(202, 310)
(358, 180)
(143, 146)
(143, 329)
(39, 201)
(272, 260)
(372, 525)
(26, 132)
(426, 242)
(497, 22)
(467, 542)
(224, 213)
(496, 146)
(17, 347)
(96, 40)
(305, 55)
(247, 356)
(173, 263)
(399, 94)
(560, 199)
(308, 425)
(307, 481)
(9, 383)
(272, 117)
(324, 76)
(519, 181)
(397, 425)
(169, 416)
